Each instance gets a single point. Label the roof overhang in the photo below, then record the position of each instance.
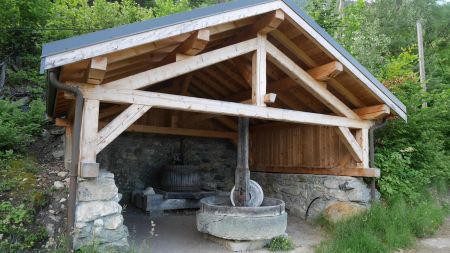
(59, 53)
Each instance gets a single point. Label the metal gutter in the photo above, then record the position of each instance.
(372, 154)
(54, 85)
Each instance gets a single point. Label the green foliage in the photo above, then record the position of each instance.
(280, 243)
(17, 127)
(324, 13)
(76, 17)
(166, 7)
(14, 222)
(385, 228)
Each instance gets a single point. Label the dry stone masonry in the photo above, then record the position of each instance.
(98, 218)
(316, 191)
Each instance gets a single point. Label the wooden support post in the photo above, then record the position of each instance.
(362, 137)
(88, 144)
(242, 174)
(68, 147)
(97, 70)
(259, 80)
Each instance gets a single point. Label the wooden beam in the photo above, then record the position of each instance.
(302, 78)
(291, 46)
(373, 112)
(179, 131)
(147, 78)
(242, 173)
(110, 111)
(193, 45)
(326, 71)
(362, 137)
(268, 99)
(183, 103)
(353, 172)
(346, 93)
(351, 143)
(88, 142)
(120, 124)
(97, 70)
(259, 67)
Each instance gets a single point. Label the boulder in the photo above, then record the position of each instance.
(101, 188)
(339, 211)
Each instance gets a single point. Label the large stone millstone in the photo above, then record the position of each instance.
(219, 218)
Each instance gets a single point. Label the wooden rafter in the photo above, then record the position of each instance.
(327, 71)
(304, 79)
(147, 78)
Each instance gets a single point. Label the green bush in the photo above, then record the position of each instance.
(280, 243)
(385, 228)
(17, 127)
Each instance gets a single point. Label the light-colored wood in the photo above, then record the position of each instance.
(353, 172)
(120, 124)
(193, 45)
(291, 46)
(301, 24)
(147, 78)
(68, 138)
(97, 70)
(268, 23)
(268, 99)
(373, 112)
(154, 35)
(346, 93)
(179, 131)
(259, 67)
(362, 137)
(110, 111)
(327, 71)
(183, 103)
(89, 129)
(306, 81)
(351, 143)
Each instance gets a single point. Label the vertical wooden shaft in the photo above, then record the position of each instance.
(421, 57)
(68, 147)
(242, 174)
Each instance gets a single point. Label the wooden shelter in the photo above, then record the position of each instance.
(310, 103)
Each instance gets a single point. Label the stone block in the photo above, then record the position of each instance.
(101, 188)
(339, 211)
(113, 221)
(89, 211)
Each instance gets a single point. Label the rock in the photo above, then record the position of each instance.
(62, 174)
(113, 221)
(101, 188)
(58, 154)
(339, 211)
(149, 191)
(51, 211)
(50, 243)
(54, 218)
(58, 185)
(63, 200)
(50, 228)
(98, 223)
(57, 131)
(89, 211)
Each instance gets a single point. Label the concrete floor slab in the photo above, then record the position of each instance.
(176, 232)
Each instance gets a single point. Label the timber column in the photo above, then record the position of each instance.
(242, 174)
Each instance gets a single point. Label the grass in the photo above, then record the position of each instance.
(385, 227)
(280, 243)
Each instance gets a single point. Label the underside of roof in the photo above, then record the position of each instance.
(139, 47)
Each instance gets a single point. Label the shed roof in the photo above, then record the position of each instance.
(56, 48)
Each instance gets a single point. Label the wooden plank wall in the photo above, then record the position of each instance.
(302, 146)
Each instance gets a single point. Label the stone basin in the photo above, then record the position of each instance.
(218, 217)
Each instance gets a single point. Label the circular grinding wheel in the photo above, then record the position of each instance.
(256, 195)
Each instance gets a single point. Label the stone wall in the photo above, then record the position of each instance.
(98, 215)
(137, 159)
(298, 191)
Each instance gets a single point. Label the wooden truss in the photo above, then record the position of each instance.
(133, 101)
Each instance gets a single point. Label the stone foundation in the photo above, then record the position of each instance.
(98, 218)
(298, 191)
